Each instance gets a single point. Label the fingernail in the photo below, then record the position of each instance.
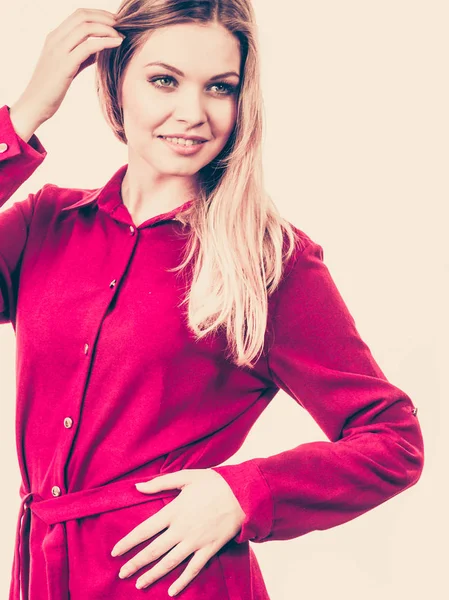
(124, 573)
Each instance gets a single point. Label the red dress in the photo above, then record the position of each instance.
(113, 389)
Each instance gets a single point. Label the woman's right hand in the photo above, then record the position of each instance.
(67, 51)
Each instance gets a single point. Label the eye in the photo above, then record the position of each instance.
(228, 88)
(153, 81)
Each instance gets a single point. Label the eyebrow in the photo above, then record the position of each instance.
(181, 74)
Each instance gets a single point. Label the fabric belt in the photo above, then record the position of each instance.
(54, 512)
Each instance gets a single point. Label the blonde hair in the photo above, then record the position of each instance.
(236, 234)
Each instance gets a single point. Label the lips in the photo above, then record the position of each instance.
(182, 149)
(174, 137)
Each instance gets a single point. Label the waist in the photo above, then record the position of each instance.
(91, 501)
(71, 505)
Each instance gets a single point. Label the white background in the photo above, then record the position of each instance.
(356, 155)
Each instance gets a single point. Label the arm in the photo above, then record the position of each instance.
(375, 448)
(65, 54)
(18, 160)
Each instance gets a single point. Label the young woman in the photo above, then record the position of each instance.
(156, 318)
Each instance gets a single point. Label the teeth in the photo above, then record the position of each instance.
(182, 141)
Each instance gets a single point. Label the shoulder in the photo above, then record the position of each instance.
(305, 250)
(300, 268)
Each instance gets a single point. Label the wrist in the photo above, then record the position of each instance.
(25, 119)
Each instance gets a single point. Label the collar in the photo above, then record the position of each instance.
(109, 198)
(104, 196)
(89, 199)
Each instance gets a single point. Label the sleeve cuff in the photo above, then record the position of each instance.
(12, 144)
(254, 495)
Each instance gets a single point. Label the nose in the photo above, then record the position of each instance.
(189, 107)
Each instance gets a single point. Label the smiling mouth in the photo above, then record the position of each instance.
(185, 143)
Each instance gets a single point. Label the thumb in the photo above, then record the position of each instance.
(168, 481)
(90, 60)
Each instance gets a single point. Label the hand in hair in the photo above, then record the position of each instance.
(67, 51)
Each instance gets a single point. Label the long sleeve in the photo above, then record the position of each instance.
(18, 160)
(375, 448)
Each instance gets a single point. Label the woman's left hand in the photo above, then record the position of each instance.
(200, 520)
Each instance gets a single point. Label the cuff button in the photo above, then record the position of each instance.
(414, 411)
(3, 147)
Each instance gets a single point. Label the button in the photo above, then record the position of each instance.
(3, 147)
(414, 411)
(113, 282)
(132, 230)
(56, 491)
(68, 422)
(86, 348)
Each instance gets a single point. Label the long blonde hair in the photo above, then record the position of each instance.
(236, 235)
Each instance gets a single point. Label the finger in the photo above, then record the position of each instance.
(197, 562)
(85, 30)
(152, 552)
(89, 47)
(144, 531)
(82, 15)
(165, 565)
(167, 481)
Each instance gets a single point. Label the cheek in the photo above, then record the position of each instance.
(225, 118)
(145, 111)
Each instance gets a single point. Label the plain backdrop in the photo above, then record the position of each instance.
(356, 155)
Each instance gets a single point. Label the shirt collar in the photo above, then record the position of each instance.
(108, 197)
(104, 196)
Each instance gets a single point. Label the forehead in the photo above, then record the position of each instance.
(182, 45)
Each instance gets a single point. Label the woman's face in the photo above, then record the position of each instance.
(160, 101)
